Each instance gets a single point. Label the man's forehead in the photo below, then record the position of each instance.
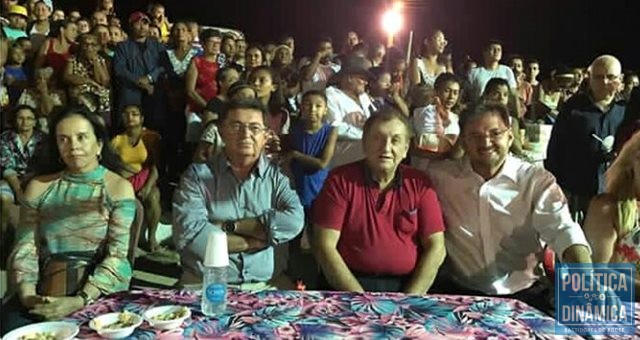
(606, 65)
(486, 121)
(391, 127)
(245, 116)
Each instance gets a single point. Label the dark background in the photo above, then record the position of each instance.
(570, 32)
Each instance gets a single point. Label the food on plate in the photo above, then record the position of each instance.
(39, 336)
(171, 315)
(125, 319)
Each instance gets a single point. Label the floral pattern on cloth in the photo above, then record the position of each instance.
(334, 315)
(627, 248)
(83, 68)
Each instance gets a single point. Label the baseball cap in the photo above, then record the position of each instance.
(19, 10)
(137, 16)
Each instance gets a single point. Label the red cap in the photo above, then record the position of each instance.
(137, 16)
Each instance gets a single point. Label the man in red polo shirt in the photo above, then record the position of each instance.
(378, 224)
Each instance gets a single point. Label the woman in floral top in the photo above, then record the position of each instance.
(80, 206)
(17, 148)
(89, 72)
(612, 225)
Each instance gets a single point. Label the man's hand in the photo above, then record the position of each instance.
(31, 300)
(54, 308)
(273, 143)
(143, 82)
(356, 119)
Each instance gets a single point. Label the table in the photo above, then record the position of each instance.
(331, 315)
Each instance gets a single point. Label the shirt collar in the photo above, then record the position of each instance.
(220, 162)
(396, 182)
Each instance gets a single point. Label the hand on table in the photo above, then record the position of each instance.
(31, 300)
(54, 308)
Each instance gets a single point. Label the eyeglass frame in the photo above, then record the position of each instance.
(493, 135)
(254, 128)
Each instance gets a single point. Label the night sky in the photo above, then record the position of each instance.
(570, 32)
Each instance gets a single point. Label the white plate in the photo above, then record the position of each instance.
(107, 319)
(62, 330)
(165, 324)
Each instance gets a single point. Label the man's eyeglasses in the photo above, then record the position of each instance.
(493, 135)
(254, 128)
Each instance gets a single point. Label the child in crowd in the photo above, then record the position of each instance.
(15, 76)
(497, 90)
(312, 143)
(436, 125)
(384, 91)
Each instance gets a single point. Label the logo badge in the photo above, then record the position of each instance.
(595, 299)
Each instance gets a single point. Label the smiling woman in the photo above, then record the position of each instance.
(73, 237)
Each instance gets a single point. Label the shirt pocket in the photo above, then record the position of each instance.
(407, 222)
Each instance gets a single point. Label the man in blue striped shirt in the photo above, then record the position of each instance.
(243, 194)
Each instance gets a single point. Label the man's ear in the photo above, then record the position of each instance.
(510, 136)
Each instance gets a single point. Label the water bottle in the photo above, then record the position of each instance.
(214, 275)
(214, 291)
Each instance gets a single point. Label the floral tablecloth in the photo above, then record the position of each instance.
(331, 315)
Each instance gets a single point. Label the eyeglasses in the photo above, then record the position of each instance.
(493, 135)
(254, 128)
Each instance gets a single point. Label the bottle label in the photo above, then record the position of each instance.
(216, 292)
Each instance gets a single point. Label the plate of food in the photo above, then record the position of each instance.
(167, 317)
(115, 325)
(53, 330)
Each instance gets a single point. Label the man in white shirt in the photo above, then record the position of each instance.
(349, 106)
(491, 68)
(500, 212)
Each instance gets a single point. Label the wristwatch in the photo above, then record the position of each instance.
(85, 297)
(229, 227)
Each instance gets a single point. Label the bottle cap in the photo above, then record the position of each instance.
(216, 253)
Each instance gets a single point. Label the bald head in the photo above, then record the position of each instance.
(607, 61)
(604, 78)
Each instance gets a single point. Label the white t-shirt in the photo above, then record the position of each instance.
(426, 120)
(480, 76)
(340, 106)
(427, 127)
(321, 77)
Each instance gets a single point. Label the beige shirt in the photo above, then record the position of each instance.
(497, 229)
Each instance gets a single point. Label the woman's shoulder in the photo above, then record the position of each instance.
(39, 184)
(117, 187)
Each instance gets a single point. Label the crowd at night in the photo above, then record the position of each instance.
(395, 165)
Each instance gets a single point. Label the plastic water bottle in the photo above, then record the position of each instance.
(214, 276)
(214, 291)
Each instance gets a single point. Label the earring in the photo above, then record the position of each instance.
(60, 160)
(99, 157)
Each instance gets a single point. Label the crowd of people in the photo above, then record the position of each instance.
(406, 175)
